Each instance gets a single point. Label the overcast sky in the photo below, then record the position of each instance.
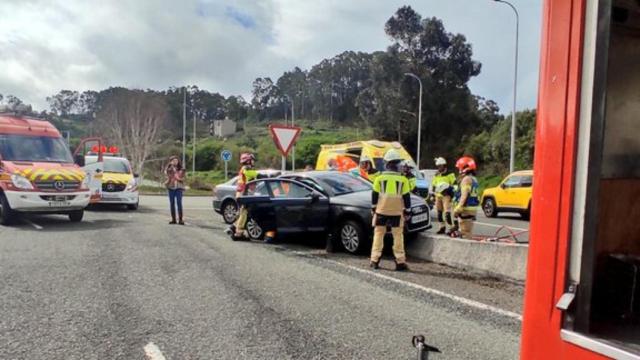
(223, 46)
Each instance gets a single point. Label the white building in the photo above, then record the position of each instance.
(224, 128)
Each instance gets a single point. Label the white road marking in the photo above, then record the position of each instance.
(498, 226)
(183, 208)
(152, 352)
(459, 299)
(36, 226)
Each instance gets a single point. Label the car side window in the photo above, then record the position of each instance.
(527, 181)
(258, 188)
(288, 190)
(310, 183)
(511, 182)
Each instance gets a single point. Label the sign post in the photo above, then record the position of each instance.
(226, 157)
(284, 137)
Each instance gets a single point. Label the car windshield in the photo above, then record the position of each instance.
(340, 184)
(34, 149)
(118, 166)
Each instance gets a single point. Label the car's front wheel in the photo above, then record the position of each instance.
(229, 211)
(352, 236)
(132, 207)
(7, 215)
(489, 208)
(76, 216)
(254, 230)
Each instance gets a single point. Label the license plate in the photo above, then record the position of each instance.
(58, 203)
(419, 218)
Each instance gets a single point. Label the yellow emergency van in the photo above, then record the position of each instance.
(374, 149)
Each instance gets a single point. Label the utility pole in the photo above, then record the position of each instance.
(512, 152)
(293, 148)
(184, 125)
(419, 118)
(193, 165)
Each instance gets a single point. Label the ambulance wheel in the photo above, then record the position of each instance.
(7, 215)
(254, 230)
(76, 216)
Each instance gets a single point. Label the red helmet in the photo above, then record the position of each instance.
(246, 158)
(465, 164)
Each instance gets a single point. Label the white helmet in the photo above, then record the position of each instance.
(440, 161)
(365, 158)
(392, 155)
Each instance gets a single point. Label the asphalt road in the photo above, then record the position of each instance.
(492, 227)
(120, 281)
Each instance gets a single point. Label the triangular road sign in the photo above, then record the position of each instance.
(284, 137)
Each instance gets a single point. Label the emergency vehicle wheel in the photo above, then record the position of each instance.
(351, 236)
(489, 208)
(76, 216)
(229, 211)
(254, 230)
(6, 213)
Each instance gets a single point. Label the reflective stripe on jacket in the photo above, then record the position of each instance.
(245, 175)
(446, 178)
(390, 188)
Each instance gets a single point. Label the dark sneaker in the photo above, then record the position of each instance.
(441, 230)
(180, 222)
(374, 265)
(401, 267)
(172, 222)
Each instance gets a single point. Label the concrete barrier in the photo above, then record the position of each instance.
(495, 259)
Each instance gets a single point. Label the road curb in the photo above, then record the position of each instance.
(505, 261)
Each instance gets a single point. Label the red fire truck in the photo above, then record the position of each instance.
(582, 297)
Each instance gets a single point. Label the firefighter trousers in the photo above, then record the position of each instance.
(379, 232)
(443, 206)
(466, 219)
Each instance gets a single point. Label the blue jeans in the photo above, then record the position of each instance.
(175, 200)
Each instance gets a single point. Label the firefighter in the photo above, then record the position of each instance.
(391, 201)
(407, 171)
(246, 174)
(466, 196)
(442, 187)
(366, 169)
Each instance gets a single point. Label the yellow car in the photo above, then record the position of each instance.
(512, 195)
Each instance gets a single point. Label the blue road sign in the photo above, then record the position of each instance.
(226, 155)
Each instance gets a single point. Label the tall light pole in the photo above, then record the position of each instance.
(293, 120)
(184, 125)
(419, 117)
(512, 153)
(193, 156)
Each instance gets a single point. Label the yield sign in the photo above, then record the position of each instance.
(284, 137)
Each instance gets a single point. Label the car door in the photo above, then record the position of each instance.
(257, 199)
(508, 194)
(523, 191)
(298, 208)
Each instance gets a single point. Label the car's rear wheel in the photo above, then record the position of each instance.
(352, 236)
(254, 230)
(7, 215)
(489, 208)
(229, 211)
(76, 216)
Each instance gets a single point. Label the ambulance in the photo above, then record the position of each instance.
(37, 171)
(348, 155)
(118, 183)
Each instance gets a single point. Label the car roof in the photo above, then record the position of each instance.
(313, 173)
(522, 172)
(27, 126)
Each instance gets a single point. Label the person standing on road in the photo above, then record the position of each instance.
(442, 188)
(246, 174)
(174, 182)
(391, 204)
(466, 197)
(407, 170)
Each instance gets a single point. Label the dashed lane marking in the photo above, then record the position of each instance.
(152, 352)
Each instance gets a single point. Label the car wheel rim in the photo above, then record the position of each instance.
(488, 207)
(349, 237)
(229, 212)
(253, 229)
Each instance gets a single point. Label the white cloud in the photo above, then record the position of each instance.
(222, 46)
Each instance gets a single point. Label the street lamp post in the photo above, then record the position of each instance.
(184, 126)
(419, 117)
(512, 153)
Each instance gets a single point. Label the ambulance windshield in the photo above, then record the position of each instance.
(34, 149)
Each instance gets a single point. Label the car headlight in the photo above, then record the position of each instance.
(21, 182)
(131, 184)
